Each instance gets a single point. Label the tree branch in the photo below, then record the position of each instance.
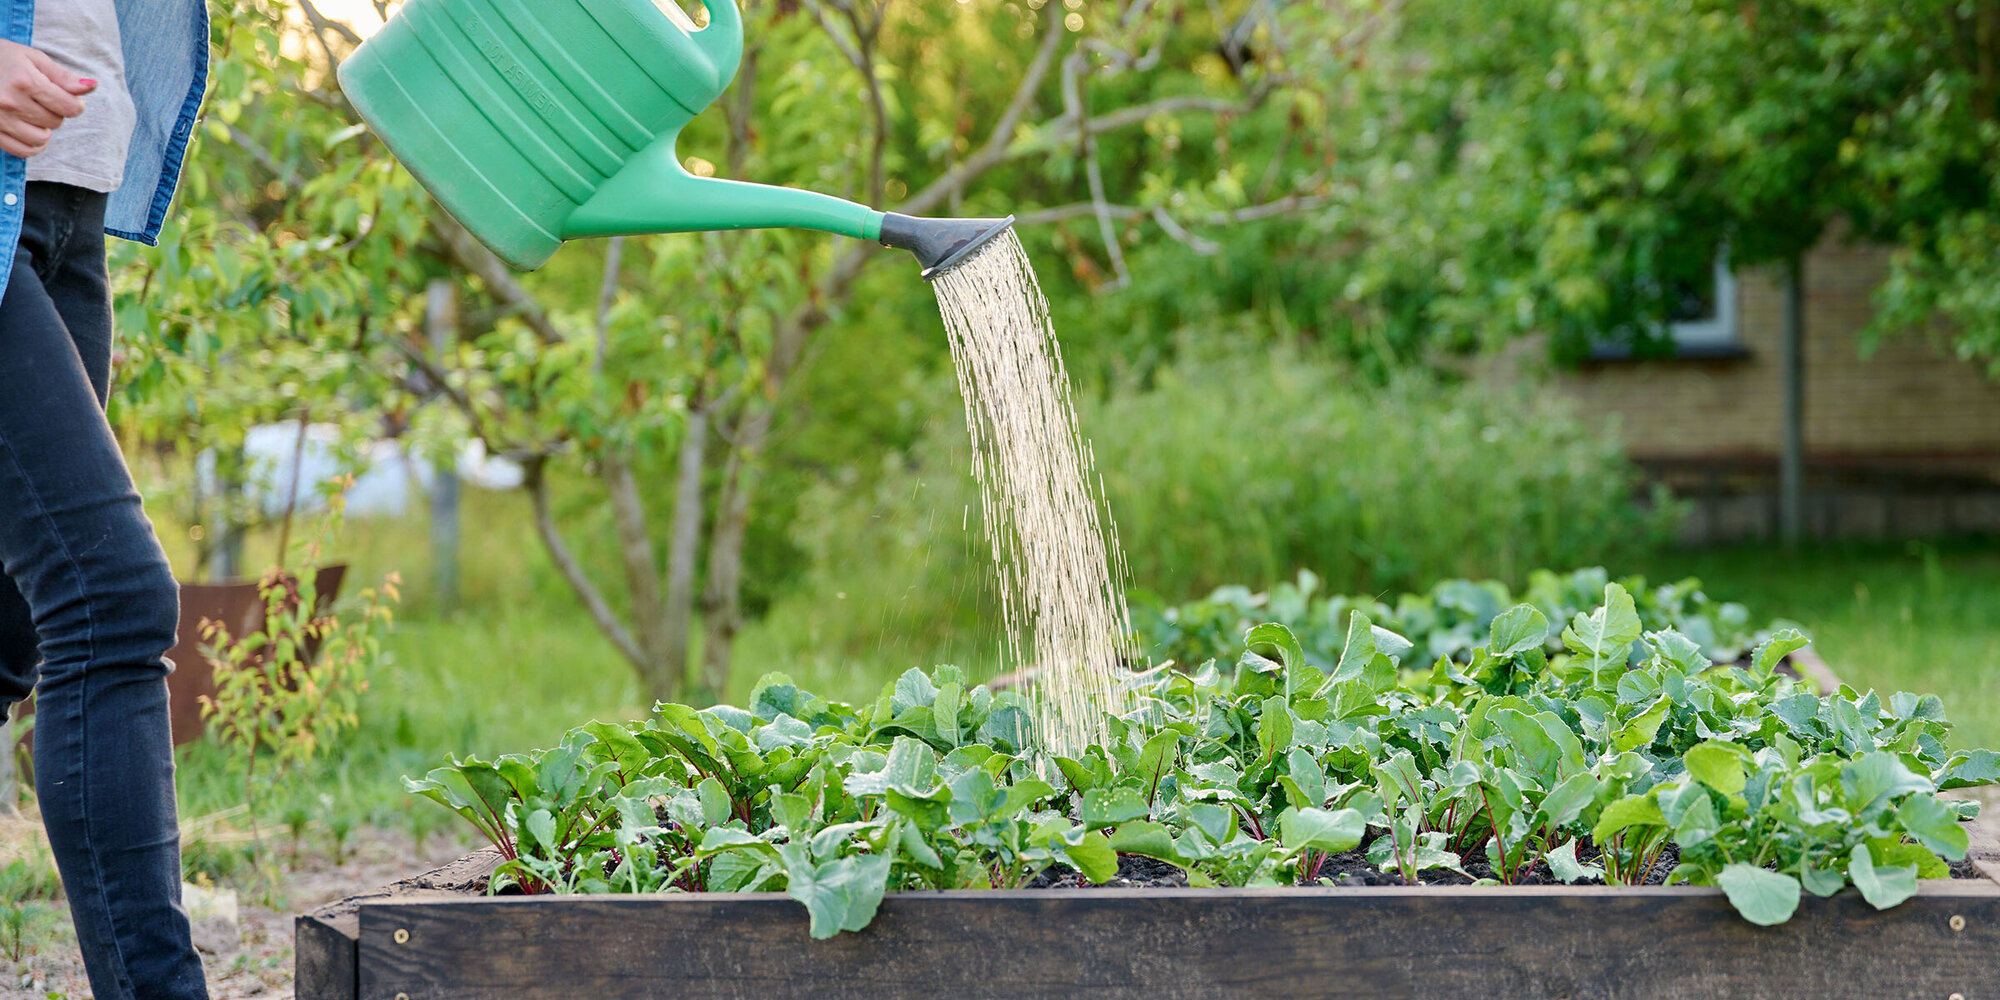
(1072, 94)
(1251, 213)
(607, 296)
(642, 576)
(635, 543)
(473, 256)
(572, 571)
(994, 150)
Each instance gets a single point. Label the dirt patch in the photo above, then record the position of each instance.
(254, 959)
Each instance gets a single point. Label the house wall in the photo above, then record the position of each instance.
(1910, 405)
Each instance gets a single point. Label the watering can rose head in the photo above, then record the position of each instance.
(538, 121)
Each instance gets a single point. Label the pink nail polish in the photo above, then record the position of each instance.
(88, 82)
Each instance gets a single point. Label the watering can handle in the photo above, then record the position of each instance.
(722, 38)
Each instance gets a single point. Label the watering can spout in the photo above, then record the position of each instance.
(655, 194)
(939, 243)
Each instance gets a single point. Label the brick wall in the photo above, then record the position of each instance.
(1911, 404)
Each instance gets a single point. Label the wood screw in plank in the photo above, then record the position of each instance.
(402, 936)
(1957, 922)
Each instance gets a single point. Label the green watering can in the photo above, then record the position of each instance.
(539, 121)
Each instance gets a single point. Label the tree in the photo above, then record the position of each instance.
(670, 360)
(1556, 166)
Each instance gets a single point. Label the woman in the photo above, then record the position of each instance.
(94, 119)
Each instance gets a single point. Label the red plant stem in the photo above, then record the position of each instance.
(1256, 829)
(1506, 876)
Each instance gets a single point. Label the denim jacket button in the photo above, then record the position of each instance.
(11, 199)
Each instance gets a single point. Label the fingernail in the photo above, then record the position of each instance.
(88, 82)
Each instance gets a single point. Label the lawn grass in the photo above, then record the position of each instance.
(518, 662)
(512, 667)
(1920, 616)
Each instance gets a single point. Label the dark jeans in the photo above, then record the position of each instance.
(87, 595)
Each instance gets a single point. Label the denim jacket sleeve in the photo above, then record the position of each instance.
(166, 69)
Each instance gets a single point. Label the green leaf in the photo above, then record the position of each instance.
(1305, 779)
(913, 690)
(1332, 831)
(1094, 857)
(1641, 729)
(616, 743)
(1630, 811)
(715, 802)
(1822, 882)
(911, 769)
(840, 895)
(1782, 643)
(1085, 774)
(1934, 825)
(1355, 654)
(722, 838)
(1147, 838)
(1289, 651)
(1874, 778)
(1763, 897)
(1717, 764)
(1517, 630)
(1570, 798)
(1389, 645)
(910, 840)
(1881, 887)
(1104, 807)
(1964, 770)
(1607, 634)
(1009, 727)
(1563, 864)
(1157, 756)
(541, 827)
(1399, 777)
(944, 713)
(1274, 727)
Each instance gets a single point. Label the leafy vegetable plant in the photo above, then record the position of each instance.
(1566, 739)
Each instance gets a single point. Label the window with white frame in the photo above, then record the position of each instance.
(1703, 314)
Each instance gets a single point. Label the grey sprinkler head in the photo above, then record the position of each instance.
(939, 243)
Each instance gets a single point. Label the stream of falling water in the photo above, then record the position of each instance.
(1060, 571)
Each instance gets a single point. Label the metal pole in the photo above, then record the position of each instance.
(1792, 451)
(441, 322)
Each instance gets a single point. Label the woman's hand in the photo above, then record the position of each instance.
(36, 96)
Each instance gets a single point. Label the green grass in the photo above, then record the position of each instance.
(1919, 617)
(520, 662)
(516, 665)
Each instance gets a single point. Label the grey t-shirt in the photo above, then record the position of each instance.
(88, 150)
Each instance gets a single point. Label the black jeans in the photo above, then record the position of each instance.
(87, 596)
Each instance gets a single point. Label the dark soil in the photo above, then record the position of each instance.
(1134, 872)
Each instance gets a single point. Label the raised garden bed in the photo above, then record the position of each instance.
(430, 939)
(1287, 781)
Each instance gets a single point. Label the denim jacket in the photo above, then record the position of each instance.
(166, 69)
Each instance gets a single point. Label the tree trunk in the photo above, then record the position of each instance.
(441, 323)
(1791, 454)
(684, 545)
(722, 603)
(642, 580)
